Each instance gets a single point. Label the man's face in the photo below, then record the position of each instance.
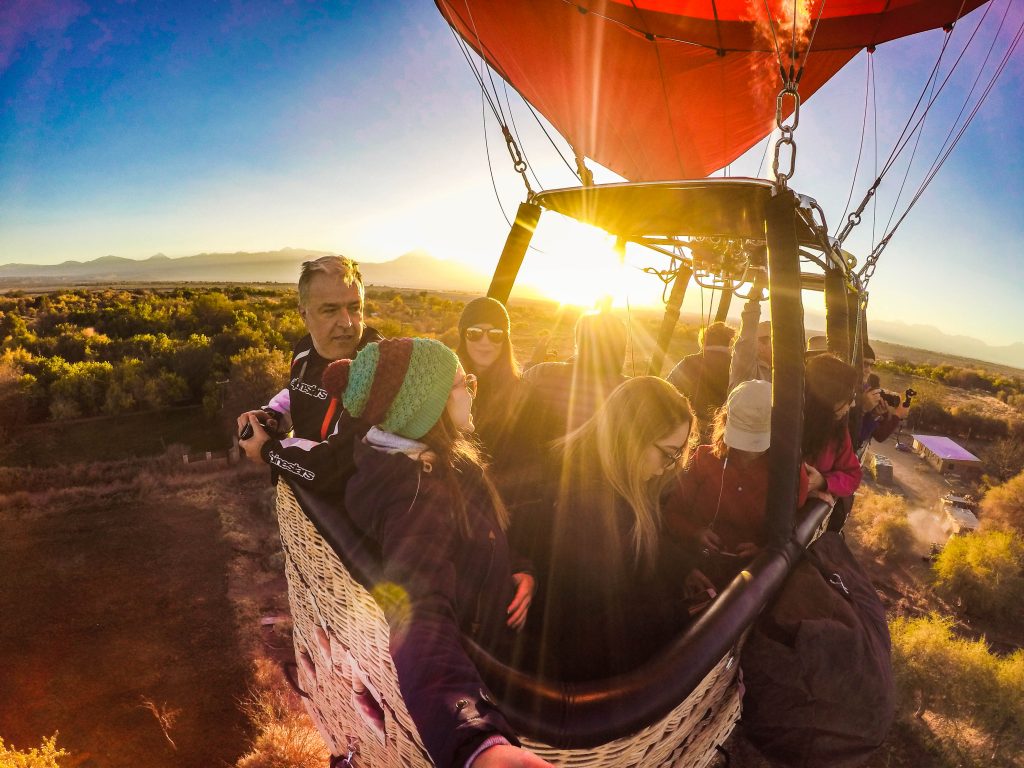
(333, 315)
(764, 349)
(869, 364)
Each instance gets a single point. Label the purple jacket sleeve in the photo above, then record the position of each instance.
(441, 688)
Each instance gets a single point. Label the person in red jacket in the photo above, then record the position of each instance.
(718, 505)
(831, 389)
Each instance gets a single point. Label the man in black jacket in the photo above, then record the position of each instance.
(331, 299)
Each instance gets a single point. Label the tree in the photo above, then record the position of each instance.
(254, 377)
(193, 360)
(880, 522)
(984, 570)
(1004, 458)
(81, 391)
(962, 681)
(213, 311)
(1003, 506)
(46, 755)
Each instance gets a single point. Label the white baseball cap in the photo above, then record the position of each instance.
(748, 425)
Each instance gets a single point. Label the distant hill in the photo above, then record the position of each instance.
(413, 270)
(268, 266)
(930, 337)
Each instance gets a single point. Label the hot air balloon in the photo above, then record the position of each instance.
(662, 92)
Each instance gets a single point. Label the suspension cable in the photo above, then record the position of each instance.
(490, 166)
(905, 137)
(810, 43)
(863, 131)
(558, 151)
(518, 163)
(664, 89)
(974, 85)
(515, 130)
(913, 154)
(872, 260)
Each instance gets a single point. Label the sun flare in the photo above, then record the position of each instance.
(577, 264)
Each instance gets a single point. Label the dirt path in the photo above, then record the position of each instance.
(108, 601)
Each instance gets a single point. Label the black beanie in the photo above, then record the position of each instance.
(484, 310)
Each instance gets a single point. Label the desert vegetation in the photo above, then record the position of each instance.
(970, 699)
(46, 755)
(98, 388)
(1009, 389)
(880, 525)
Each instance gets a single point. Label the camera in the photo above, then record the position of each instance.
(892, 399)
(266, 417)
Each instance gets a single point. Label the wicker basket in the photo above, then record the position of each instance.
(348, 676)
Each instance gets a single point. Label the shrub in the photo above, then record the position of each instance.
(1003, 506)
(284, 736)
(46, 755)
(983, 570)
(964, 683)
(880, 524)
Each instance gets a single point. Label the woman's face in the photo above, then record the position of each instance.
(842, 409)
(460, 400)
(665, 453)
(483, 349)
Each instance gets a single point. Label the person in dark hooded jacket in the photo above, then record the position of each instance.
(420, 493)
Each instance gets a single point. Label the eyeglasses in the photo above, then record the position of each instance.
(671, 459)
(470, 383)
(494, 335)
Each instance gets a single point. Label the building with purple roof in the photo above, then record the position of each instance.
(945, 454)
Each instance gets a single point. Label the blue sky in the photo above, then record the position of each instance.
(180, 127)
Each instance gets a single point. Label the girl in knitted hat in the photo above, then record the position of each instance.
(717, 507)
(485, 350)
(611, 584)
(420, 495)
(831, 389)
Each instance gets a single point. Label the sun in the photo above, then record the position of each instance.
(577, 264)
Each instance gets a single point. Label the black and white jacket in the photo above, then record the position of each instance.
(310, 457)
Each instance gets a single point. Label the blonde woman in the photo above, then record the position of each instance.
(611, 583)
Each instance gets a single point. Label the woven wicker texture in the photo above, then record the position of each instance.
(341, 649)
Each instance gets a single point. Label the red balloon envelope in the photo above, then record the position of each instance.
(675, 89)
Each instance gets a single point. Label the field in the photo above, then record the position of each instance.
(142, 598)
(118, 610)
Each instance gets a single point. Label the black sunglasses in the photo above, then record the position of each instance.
(495, 335)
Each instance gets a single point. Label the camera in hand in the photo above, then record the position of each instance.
(264, 418)
(892, 399)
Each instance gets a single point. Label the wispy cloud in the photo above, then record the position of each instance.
(43, 25)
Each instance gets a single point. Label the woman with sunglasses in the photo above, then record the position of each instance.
(423, 501)
(611, 582)
(831, 389)
(485, 350)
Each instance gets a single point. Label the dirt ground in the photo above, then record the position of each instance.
(115, 598)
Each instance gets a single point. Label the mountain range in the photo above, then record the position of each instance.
(412, 270)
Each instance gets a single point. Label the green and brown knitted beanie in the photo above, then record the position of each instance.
(399, 385)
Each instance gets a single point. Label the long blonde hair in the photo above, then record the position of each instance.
(613, 442)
